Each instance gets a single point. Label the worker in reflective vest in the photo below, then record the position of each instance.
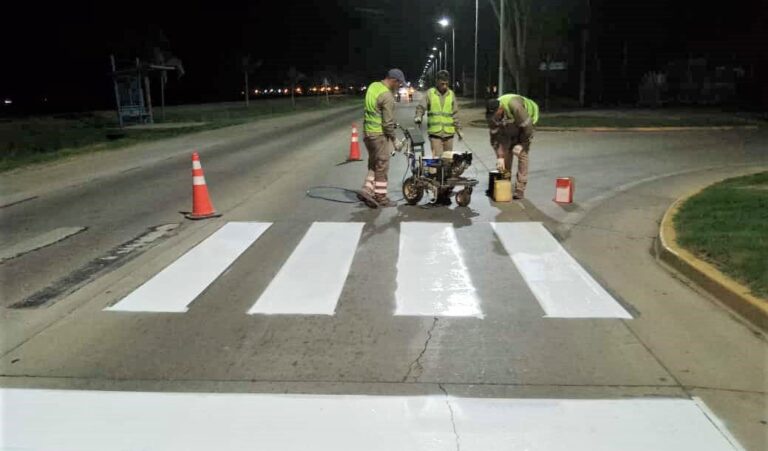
(379, 137)
(440, 105)
(511, 120)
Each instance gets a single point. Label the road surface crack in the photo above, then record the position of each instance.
(417, 363)
(453, 418)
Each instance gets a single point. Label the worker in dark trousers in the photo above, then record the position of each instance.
(511, 120)
(442, 123)
(379, 137)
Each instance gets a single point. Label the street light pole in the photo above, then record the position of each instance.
(445, 60)
(474, 79)
(444, 22)
(453, 57)
(501, 51)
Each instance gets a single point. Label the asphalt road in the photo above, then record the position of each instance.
(386, 332)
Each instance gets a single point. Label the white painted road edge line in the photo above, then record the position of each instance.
(176, 286)
(563, 288)
(65, 420)
(432, 277)
(312, 279)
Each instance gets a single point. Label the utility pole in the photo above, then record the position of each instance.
(583, 72)
(474, 79)
(501, 51)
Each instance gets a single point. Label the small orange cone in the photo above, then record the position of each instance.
(354, 146)
(202, 207)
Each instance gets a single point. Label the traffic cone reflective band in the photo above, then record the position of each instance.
(354, 146)
(201, 202)
(564, 187)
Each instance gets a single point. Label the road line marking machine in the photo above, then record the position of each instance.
(435, 175)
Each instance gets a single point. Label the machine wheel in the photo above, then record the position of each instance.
(412, 192)
(464, 197)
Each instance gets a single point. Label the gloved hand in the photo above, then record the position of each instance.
(417, 120)
(500, 165)
(517, 150)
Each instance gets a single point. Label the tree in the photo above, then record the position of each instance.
(294, 76)
(248, 66)
(165, 58)
(549, 42)
(533, 30)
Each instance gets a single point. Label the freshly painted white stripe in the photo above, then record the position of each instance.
(196, 164)
(68, 420)
(585, 425)
(311, 280)
(176, 286)
(562, 287)
(198, 180)
(432, 278)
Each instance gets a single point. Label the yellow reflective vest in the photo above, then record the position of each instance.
(440, 117)
(372, 121)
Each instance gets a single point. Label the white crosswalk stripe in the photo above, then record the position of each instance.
(562, 287)
(175, 287)
(311, 280)
(432, 276)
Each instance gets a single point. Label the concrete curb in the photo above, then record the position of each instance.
(728, 291)
(544, 128)
(645, 129)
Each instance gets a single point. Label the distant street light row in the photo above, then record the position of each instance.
(442, 55)
(306, 90)
(431, 65)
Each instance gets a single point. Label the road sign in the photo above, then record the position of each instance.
(554, 65)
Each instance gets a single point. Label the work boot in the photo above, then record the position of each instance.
(367, 198)
(518, 196)
(383, 201)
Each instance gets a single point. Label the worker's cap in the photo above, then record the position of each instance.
(397, 74)
(492, 105)
(443, 75)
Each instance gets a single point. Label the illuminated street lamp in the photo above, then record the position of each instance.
(445, 23)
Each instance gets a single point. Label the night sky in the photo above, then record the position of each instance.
(60, 51)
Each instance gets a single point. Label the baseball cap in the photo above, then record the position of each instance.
(397, 74)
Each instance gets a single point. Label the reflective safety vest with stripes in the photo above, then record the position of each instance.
(372, 120)
(440, 118)
(530, 106)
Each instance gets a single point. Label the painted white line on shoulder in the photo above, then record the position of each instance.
(563, 288)
(432, 278)
(89, 421)
(176, 286)
(311, 280)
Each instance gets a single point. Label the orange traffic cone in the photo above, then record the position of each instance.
(354, 146)
(202, 207)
